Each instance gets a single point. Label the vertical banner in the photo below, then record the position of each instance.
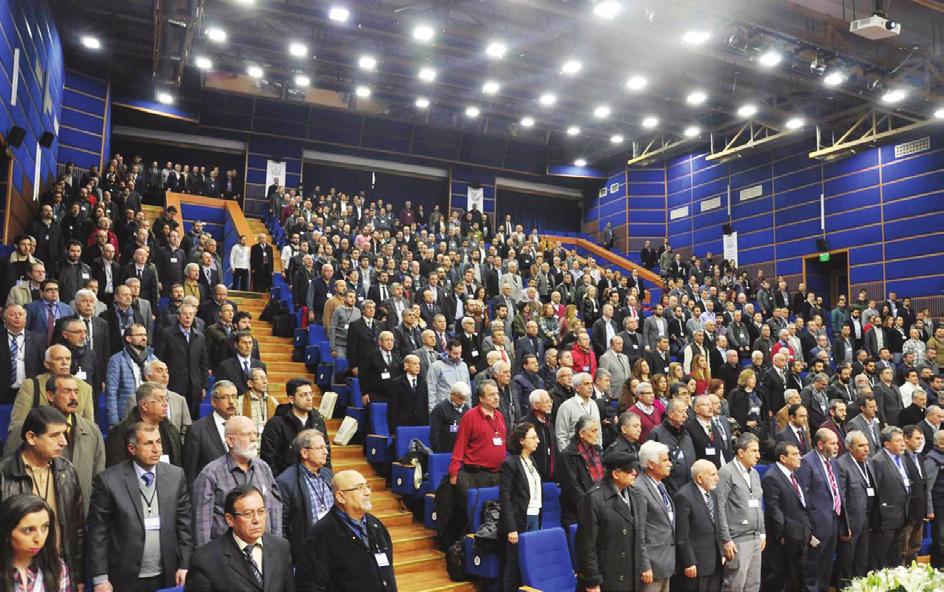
(731, 247)
(37, 174)
(16, 77)
(476, 199)
(274, 170)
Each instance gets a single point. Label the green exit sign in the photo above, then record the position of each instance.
(824, 257)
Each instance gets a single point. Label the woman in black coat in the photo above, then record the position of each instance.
(519, 491)
(574, 474)
(748, 406)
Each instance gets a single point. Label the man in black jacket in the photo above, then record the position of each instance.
(170, 263)
(445, 417)
(696, 530)
(787, 521)
(206, 439)
(183, 349)
(300, 509)
(261, 263)
(362, 337)
(408, 397)
(30, 348)
(237, 369)
(145, 271)
(290, 419)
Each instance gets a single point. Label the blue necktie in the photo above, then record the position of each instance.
(14, 351)
(900, 472)
(148, 478)
(246, 368)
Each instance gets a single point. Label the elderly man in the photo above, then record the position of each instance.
(305, 488)
(857, 488)
(150, 408)
(183, 348)
(177, 411)
(617, 364)
(675, 436)
(58, 362)
(572, 409)
(660, 513)
(21, 353)
(445, 418)
(696, 530)
(934, 470)
(256, 403)
(206, 439)
(893, 488)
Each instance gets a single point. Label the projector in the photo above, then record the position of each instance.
(875, 27)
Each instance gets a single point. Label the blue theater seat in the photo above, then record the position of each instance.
(550, 505)
(378, 443)
(5, 412)
(479, 562)
(572, 543)
(545, 561)
(402, 475)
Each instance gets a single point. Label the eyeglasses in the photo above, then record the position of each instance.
(360, 487)
(250, 514)
(322, 447)
(232, 397)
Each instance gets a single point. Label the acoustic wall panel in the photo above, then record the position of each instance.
(86, 103)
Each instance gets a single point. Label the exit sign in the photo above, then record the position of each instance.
(824, 257)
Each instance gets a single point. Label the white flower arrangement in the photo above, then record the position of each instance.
(917, 578)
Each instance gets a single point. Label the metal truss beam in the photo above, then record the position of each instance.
(658, 148)
(751, 135)
(872, 128)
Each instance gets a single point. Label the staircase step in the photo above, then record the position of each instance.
(416, 561)
(437, 581)
(410, 538)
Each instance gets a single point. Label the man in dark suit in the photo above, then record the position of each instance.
(857, 487)
(140, 268)
(238, 368)
(134, 543)
(658, 357)
(260, 261)
(244, 558)
(38, 312)
(600, 336)
(774, 382)
(529, 343)
(787, 521)
(206, 439)
(209, 311)
(893, 489)
(471, 346)
(118, 317)
(96, 328)
(30, 348)
(362, 337)
(408, 402)
(407, 335)
(706, 435)
(170, 263)
(108, 273)
(183, 348)
(300, 509)
(381, 366)
(918, 511)
(696, 530)
(816, 399)
(207, 276)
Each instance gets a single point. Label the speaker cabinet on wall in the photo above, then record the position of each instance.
(46, 139)
(728, 228)
(821, 245)
(15, 137)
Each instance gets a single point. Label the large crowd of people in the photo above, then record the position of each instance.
(652, 406)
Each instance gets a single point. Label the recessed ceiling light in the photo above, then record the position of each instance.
(571, 67)
(427, 74)
(496, 49)
(216, 34)
(547, 99)
(367, 62)
(302, 80)
(617, 138)
(362, 91)
(573, 130)
(91, 42)
(254, 71)
(834, 78)
(423, 33)
(165, 98)
(527, 121)
(339, 14)
(695, 37)
(636, 82)
(580, 162)
(246, 2)
(202, 62)
(939, 114)
(748, 110)
(601, 112)
(490, 87)
(895, 95)
(696, 98)
(422, 103)
(650, 122)
(692, 131)
(607, 9)
(770, 58)
(472, 111)
(297, 49)
(795, 123)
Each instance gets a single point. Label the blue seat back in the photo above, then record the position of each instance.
(438, 467)
(475, 500)
(761, 470)
(545, 560)
(550, 505)
(355, 388)
(572, 542)
(378, 419)
(5, 412)
(174, 589)
(407, 433)
(340, 366)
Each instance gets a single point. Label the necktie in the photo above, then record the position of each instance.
(14, 352)
(148, 478)
(383, 292)
(796, 486)
(253, 567)
(802, 440)
(50, 321)
(665, 498)
(88, 330)
(901, 472)
(833, 488)
(412, 383)
(387, 358)
(139, 273)
(187, 336)
(246, 368)
(711, 506)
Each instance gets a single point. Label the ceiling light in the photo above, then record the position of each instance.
(367, 62)
(254, 71)
(246, 2)
(527, 121)
(298, 50)
(571, 67)
(748, 110)
(650, 122)
(202, 62)
(695, 37)
(472, 111)
(696, 98)
(427, 74)
(692, 131)
(339, 14)
(91, 42)
(895, 95)
(422, 103)
(490, 87)
(547, 99)
(573, 130)
(939, 114)
(580, 162)
(496, 49)
(616, 138)
(216, 34)
(423, 33)
(165, 98)
(795, 123)
(362, 91)
(770, 58)
(607, 9)
(834, 78)
(636, 82)
(302, 80)
(601, 112)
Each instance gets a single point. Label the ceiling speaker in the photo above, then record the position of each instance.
(821, 245)
(728, 228)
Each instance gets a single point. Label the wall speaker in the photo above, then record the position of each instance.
(15, 137)
(728, 228)
(475, 185)
(821, 245)
(46, 139)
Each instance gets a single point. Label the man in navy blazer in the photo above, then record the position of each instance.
(787, 520)
(696, 530)
(37, 312)
(819, 478)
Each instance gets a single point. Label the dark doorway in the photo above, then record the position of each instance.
(828, 278)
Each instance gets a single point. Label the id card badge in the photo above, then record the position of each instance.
(497, 441)
(80, 374)
(321, 514)
(907, 482)
(475, 353)
(755, 410)
(454, 428)
(710, 451)
(381, 559)
(870, 491)
(753, 503)
(385, 375)
(173, 259)
(152, 523)
(165, 459)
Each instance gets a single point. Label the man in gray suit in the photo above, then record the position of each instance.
(857, 486)
(617, 364)
(740, 517)
(654, 327)
(866, 422)
(659, 532)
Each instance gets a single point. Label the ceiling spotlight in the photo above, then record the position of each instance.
(496, 49)
(339, 14)
(490, 87)
(650, 122)
(695, 37)
(362, 91)
(427, 74)
(547, 99)
(527, 121)
(747, 111)
(580, 162)
(939, 114)
(607, 9)
(423, 33)
(216, 34)
(692, 131)
(601, 112)
(367, 62)
(202, 62)
(297, 49)
(696, 98)
(770, 58)
(795, 123)
(472, 111)
(302, 80)
(91, 42)
(894, 95)
(254, 71)
(834, 78)
(573, 130)
(636, 82)
(616, 139)
(422, 103)
(165, 98)
(571, 67)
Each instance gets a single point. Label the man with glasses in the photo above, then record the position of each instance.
(332, 558)
(151, 399)
(206, 439)
(290, 419)
(305, 488)
(58, 362)
(42, 314)
(256, 403)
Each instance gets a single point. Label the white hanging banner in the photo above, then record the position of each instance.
(275, 170)
(476, 199)
(731, 247)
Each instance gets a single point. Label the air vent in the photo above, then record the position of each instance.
(751, 193)
(913, 147)
(711, 204)
(678, 213)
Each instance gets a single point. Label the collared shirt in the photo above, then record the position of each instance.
(20, 371)
(220, 425)
(792, 479)
(319, 492)
(900, 465)
(358, 527)
(256, 550)
(476, 441)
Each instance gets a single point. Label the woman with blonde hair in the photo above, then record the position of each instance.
(660, 391)
(676, 372)
(701, 373)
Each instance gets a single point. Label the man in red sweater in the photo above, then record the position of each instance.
(584, 358)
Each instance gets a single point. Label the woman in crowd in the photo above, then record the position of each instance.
(716, 388)
(641, 370)
(519, 491)
(30, 561)
(649, 414)
(589, 309)
(701, 373)
(521, 319)
(660, 391)
(570, 317)
(676, 372)
(748, 407)
(549, 326)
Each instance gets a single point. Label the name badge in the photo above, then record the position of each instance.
(907, 482)
(321, 514)
(381, 559)
(753, 503)
(755, 410)
(710, 451)
(385, 375)
(345, 327)
(475, 353)
(165, 459)
(152, 523)
(173, 259)
(497, 441)
(85, 276)
(586, 368)
(635, 346)
(869, 491)
(80, 375)
(454, 428)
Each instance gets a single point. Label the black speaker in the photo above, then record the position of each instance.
(728, 228)
(821, 245)
(475, 185)
(46, 139)
(15, 137)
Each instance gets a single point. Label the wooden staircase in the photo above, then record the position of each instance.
(417, 564)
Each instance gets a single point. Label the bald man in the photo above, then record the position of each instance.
(696, 530)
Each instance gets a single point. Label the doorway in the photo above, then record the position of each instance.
(827, 275)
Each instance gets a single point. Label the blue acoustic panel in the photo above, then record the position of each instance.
(789, 232)
(754, 256)
(797, 213)
(853, 182)
(702, 235)
(676, 200)
(917, 206)
(679, 226)
(856, 162)
(905, 228)
(913, 186)
(647, 203)
(857, 218)
(759, 205)
(797, 248)
(81, 140)
(678, 239)
(751, 240)
(656, 175)
(647, 188)
(205, 213)
(790, 266)
(914, 267)
(67, 154)
(610, 209)
(753, 223)
(711, 218)
(915, 165)
(699, 162)
(871, 272)
(709, 174)
(759, 160)
(797, 179)
(865, 254)
(851, 201)
(646, 216)
(853, 237)
(791, 163)
(924, 285)
(80, 120)
(922, 245)
(712, 188)
(750, 178)
(679, 184)
(796, 197)
(85, 83)
(83, 102)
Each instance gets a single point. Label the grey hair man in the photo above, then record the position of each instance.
(574, 408)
